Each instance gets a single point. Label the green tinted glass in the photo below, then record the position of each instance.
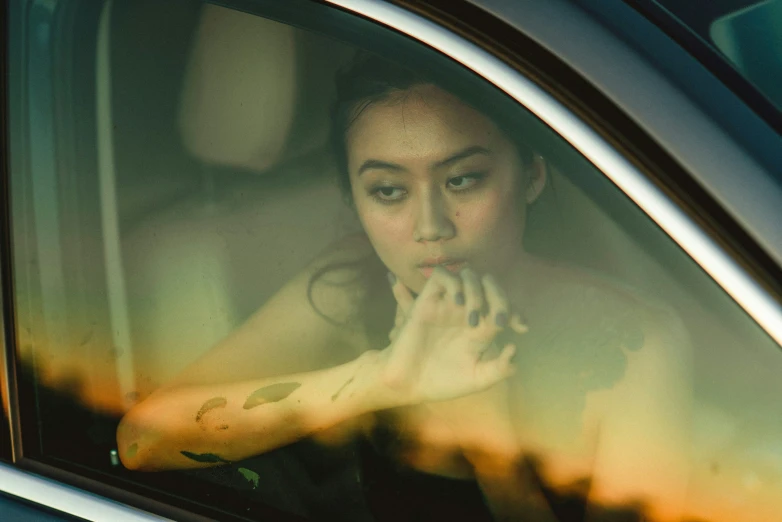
(752, 40)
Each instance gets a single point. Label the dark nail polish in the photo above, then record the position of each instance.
(501, 319)
(459, 298)
(474, 318)
(391, 279)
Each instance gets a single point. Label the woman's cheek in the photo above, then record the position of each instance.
(388, 232)
(389, 228)
(481, 215)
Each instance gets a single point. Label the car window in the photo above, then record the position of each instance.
(751, 38)
(745, 33)
(275, 260)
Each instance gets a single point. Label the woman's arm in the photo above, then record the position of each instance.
(642, 452)
(264, 386)
(197, 425)
(267, 384)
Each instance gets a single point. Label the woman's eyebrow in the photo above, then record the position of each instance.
(377, 164)
(462, 154)
(458, 156)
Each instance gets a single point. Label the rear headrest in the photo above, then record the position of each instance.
(256, 91)
(239, 89)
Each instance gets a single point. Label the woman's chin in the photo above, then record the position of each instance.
(415, 283)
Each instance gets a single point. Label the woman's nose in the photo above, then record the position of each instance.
(433, 222)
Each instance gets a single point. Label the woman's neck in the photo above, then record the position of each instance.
(522, 277)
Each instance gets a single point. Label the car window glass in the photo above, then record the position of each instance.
(751, 38)
(251, 245)
(744, 32)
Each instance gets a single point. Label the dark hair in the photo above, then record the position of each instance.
(370, 79)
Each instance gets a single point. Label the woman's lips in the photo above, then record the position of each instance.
(452, 265)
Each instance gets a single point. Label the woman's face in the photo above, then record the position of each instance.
(435, 183)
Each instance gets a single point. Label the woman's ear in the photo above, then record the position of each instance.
(538, 176)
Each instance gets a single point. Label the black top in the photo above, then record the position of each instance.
(395, 493)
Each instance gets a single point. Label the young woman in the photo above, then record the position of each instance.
(485, 360)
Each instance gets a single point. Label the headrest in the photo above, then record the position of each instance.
(256, 91)
(238, 98)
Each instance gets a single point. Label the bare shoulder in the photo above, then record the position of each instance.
(326, 298)
(337, 280)
(577, 311)
(579, 288)
(616, 363)
(311, 323)
(591, 336)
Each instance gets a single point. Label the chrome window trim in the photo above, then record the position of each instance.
(67, 499)
(674, 221)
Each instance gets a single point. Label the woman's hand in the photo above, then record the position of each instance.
(441, 339)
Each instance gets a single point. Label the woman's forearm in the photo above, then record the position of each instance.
(196, 426)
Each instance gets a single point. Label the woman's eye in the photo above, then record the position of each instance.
(464, 182)
(388, 193)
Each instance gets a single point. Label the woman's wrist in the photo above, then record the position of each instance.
(380, 393)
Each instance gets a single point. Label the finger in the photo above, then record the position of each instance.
(473, 295)
(399, 321)
(442, 284)
(400, 317)
(499, 307)
(402, 294)
(489, 373)
(392, 335)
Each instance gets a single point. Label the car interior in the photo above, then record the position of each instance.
(232, 191)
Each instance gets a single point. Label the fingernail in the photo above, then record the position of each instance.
(459, 298)
(501, 319)
(391, 279)
(474, 318)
